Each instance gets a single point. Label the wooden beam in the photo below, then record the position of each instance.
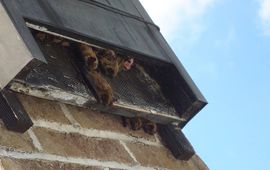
(13, 113)
(176, 141)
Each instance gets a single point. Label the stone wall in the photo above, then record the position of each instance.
(66, 137)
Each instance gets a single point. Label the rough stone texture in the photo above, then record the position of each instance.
(80, 146)
(103, 121)
(15, 140)
(196, 160)
(42, 109)
(17, 164)
(158, 157)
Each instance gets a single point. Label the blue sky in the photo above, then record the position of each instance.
(225, 47)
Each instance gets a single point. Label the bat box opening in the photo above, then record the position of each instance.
(139, 89)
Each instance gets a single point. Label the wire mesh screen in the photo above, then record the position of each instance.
(133, 87)
(59, 73)
(138, 88)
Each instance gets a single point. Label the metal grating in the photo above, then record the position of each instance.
(58, 75)
(138, 88)
(135, 91)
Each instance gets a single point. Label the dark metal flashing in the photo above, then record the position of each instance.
(79, 37)
(175, 60)
(141, 10)
(122, 7)
(12, 112)
(93, 22)
(195, 108)
(176, 141)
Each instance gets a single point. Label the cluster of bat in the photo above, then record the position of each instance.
(103, 62)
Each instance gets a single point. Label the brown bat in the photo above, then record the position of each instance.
(101, 86)
(136, 123)
(125, 64)
(89, 57)
(133, 123)
(62, 41)
(41, 36)
(150, 127)
(108, 63)
(44, 37)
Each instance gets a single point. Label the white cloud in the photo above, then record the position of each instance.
(264, 14)
(178, 19)
(227, 38)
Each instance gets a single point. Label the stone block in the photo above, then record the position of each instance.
(15, 140)
(43, 109)
(76, 145)
(104, 121)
